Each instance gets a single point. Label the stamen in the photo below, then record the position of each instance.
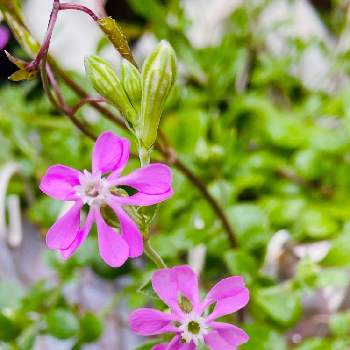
(93, 189)
(193, 329)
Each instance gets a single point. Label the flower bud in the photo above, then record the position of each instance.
(115, 34)
(131, 80)
(158, 76)
(106, 82)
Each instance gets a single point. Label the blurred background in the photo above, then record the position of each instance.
(260, 114)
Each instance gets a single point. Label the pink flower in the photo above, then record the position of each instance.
(96, 189)
(178, 288)
(4, 36)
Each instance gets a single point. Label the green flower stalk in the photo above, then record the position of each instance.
(107, 83)
(131, 80)
(158, 76)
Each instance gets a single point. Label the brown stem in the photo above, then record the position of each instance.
(47, 78)
(34, 65)
(83, 94)
(85, 101)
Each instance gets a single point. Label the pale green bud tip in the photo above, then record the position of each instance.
(107, 83)
(158, 76)
(131, 80)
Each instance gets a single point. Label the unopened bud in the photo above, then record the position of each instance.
(131, 80)
(158, 76)
(106, 82)
(115, 34)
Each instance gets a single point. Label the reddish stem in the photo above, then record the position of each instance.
(68, 6)
(34, 65)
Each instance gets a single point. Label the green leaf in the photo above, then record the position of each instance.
(317, 224)
(251, 225)
(338, 254)
(315, 344)
(10, 295)
(339, 324)
(263, 337)
(241, 263)
(91, 328)
(8, 329)
(279, 303)
(62, 323)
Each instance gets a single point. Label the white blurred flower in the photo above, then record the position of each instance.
(75, 36)
(283, 20)
(207, 20)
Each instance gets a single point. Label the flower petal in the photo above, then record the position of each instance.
(64, 230)
(147, 321)
(214, 341)
(110, 153)
(231, 334)
(230, 295)
(169, 283)
(153, 183)
(162, 346)
(177, 344)
(80, 237)
(59, 181)
(113, 249)
(129, 231)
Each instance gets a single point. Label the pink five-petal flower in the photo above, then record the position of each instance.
(110, 156)
(178, 288)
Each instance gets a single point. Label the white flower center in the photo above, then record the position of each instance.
(193, 329)
(93, 189)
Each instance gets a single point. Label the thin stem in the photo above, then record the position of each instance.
(34, 65)
(153, 255)
(68, 6)
(86, 100)
(83, 94)
(144, 155)
(61, 106)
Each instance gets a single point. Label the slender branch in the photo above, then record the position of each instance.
(83, 94)
(67, 6)
(34, 65)
(85, 101)
(46, 79)
(153, 255)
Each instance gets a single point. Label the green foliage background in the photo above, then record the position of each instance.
(263, 150)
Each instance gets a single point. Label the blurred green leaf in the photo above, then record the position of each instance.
(62, 323)
(280, 303)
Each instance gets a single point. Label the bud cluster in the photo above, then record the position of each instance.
(139, 97)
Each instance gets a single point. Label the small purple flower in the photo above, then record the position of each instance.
(97, 189)
(4, 36)
(188, 319)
